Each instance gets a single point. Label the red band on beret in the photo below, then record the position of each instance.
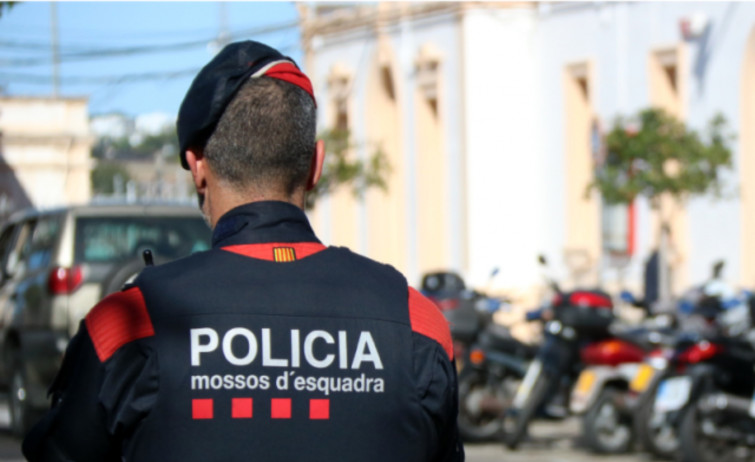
(288, 72)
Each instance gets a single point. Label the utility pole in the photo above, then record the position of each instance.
(55, 49)
(223, 35)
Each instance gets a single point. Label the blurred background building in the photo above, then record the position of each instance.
(492, 116)
(45, 152)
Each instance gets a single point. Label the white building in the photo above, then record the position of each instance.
(488, 110)
(45, 152)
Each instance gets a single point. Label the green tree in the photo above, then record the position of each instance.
(147, 147)
(6, 6)
(654, 155)
(104, 174)
(662, 156)
(342, 169)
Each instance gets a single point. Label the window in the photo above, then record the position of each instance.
(42, 243)
(21, 249)
(115, 239)
(666, 80)
(339, 85)
(427, 66)
(667, 60)
(387, 80)
(6, 242)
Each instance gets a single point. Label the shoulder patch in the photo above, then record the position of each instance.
(277, 251)
(118, 319)
(426, 319)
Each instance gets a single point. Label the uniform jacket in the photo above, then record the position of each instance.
(268, 347)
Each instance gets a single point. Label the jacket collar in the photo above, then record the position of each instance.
(261, 222)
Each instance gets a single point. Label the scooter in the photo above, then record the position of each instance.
(703, 310)
(601, 394)
(494, 368)
(710, 405)
(468, 312)
(576, 319)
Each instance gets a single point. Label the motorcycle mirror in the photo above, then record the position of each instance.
(627, 296)
(542, 260)
(718, 268)
(148, 258)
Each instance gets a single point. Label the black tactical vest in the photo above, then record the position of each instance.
(306, 360)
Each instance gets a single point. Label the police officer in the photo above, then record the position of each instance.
(270, 346)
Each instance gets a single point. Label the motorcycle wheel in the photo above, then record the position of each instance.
(698, 445)
(605, 428)
(653, 430)
(515, 425)
(483, 399)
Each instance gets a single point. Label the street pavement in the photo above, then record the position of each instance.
(10, 447)
(549, 442)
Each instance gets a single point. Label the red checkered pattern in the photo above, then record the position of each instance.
(243, 408)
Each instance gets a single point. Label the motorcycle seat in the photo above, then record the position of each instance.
(645, 338)
(499, 338)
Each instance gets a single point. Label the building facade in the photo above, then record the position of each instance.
(491, 115)
(45, 152)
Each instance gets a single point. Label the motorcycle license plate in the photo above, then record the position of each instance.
(585, 382)
(642, 378)
(527, 383)
(672, 394)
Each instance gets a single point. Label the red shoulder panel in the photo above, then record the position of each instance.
(427, 320)
(118, 319)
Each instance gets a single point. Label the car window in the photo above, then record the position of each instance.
(114, 239)
(20, 248)
(6, 243)
(42, 243)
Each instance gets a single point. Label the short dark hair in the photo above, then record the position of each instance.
(265, 137)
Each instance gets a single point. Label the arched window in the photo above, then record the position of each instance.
(339, 86)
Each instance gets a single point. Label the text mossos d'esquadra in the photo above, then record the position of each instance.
(335, 351)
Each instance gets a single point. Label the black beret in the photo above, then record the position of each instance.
(217, 83)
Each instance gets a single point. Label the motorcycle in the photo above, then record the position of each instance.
(577, 319)
(711, 403)
(495, 366)
(703, 311)
(468, 312)
(600, 395)
(489, 361)
(714, 399)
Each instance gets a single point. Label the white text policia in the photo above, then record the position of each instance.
(206, 340)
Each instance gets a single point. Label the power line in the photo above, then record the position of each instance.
(94, 53)
(35, 79)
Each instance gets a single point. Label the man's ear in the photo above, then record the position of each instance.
(315, 168)
(198, 167)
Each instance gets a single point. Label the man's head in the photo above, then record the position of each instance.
(246, 129)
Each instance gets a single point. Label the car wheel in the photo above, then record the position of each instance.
(20, 411)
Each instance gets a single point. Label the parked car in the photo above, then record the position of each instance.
(55, 265)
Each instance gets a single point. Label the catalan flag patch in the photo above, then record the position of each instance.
(284, 254)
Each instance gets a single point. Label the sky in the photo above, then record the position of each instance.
(130, 57)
